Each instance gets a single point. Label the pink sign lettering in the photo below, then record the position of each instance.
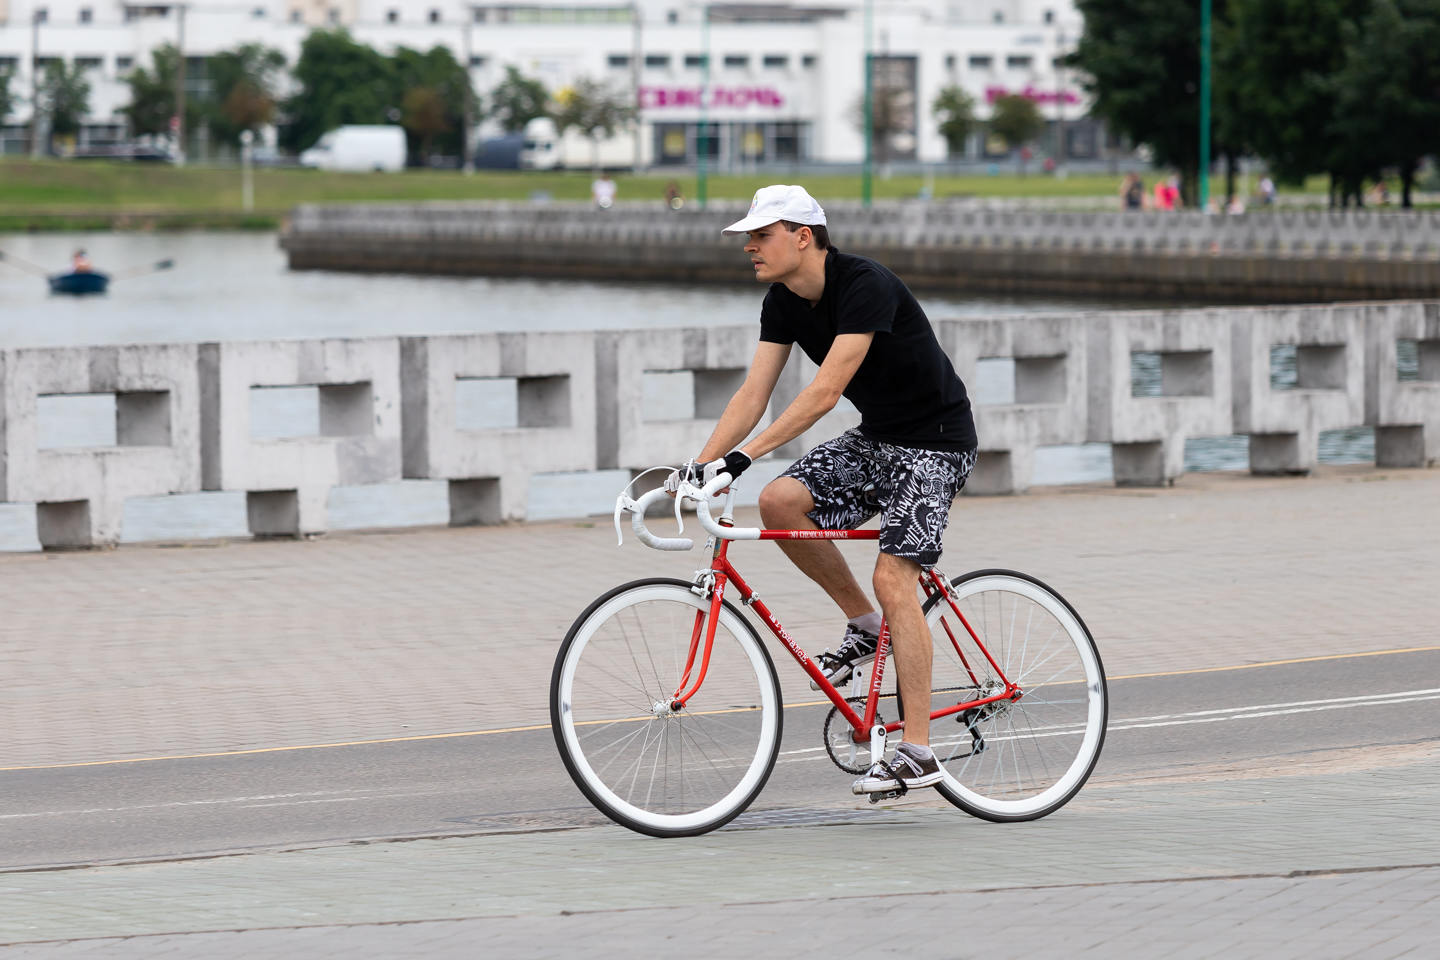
(662, 98)
(1030, 93)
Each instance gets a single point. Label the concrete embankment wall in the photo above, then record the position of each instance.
(388, 407)
(1296, 256)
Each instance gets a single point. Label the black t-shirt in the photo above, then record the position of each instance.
(905, 389)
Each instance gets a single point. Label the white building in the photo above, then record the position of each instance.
(783, 83)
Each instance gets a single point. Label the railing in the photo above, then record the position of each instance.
(388, 406)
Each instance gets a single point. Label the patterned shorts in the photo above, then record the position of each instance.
(852, 478)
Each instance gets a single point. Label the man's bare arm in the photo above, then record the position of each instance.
(817, 399)
(748, 405)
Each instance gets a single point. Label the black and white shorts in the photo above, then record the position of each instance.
(852, 478)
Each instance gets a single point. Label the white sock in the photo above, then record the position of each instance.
(870, 623)
(919, 751)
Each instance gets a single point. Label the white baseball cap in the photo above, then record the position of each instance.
(779, 202)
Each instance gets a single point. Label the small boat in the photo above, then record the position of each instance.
(79, 284)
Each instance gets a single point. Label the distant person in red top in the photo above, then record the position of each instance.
(79, 263)
(1167, 194)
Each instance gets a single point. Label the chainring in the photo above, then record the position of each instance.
(841, 739)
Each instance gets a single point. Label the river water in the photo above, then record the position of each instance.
(235, 286)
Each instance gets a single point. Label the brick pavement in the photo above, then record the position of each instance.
(218, 646)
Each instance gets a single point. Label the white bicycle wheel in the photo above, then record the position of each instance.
(646, 766)
(1024, 758)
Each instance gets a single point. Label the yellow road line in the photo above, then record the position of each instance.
(546, 726)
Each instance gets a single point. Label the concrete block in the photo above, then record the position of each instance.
(80, 493)
(287, 481)
(1285, 424)
(489, 468)
(1404, 413)
(1147, 433)
(1048, 403)
(714, 360)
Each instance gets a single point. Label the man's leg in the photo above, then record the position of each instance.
(895, 588)
(784, 504)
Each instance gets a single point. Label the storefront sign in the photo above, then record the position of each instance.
(653, 98)
(1030, 93)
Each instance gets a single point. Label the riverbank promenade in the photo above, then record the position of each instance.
(120, 663)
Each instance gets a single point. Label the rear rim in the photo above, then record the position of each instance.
(1015, 759)
(647, 767)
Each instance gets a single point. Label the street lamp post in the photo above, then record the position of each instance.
(702, 141)
(866, 171)
(179, 121)
(1204, 194)
(247, 175)
(35, 83)
(635, 55)
(467, 147)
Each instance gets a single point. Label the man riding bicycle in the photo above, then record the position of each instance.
(906, 461)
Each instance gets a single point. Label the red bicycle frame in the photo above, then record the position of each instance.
(723, 573)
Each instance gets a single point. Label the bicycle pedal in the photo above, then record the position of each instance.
(887, 795)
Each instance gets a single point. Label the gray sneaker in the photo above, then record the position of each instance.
(902, 773)
(858, 647)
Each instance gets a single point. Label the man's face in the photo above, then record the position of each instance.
(775, 251)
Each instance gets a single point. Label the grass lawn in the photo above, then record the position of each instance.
(60, 194)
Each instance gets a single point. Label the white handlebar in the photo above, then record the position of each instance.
(702, 511)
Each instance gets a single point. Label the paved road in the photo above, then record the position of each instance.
(1297, 820)
(1369, 710)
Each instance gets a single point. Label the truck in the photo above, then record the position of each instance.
(358, 147)
(546, 148)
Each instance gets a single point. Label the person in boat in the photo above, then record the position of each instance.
(80, 263)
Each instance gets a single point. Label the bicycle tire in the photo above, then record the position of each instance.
(679, 774)
(1025, 759)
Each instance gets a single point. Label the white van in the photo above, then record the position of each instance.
(545, 148)
(358, 147)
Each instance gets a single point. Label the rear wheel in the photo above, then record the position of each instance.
(648, 767)
(1022, 758)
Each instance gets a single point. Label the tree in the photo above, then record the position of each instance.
(955, 109)
(892, 113)
(65, 96)
(435, 98)
(244, 82)
(340, 81)
(517, 100)
(152, 96)
(1287, 56)
(1141, 65)
(595, 110)
(1017, 119)
(7, 101)
(1387, 103)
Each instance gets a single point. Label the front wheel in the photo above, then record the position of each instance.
(1021, 758)
(659, 771)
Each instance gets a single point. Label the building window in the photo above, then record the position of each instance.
(777, 61)
(123, 64)
(333, 15)
(42, 15)
(481, 14)
(808, 61)
(9, 64)
(1019, 61)
(86, 15)
(672, 17)
(999, 16)
(89, 63)
(258, 13)
(694, 61)
(618, 61)
(392, 16)
(949, 61)
(434, 16)
(1049, 16)
(43, 63)
(737, 60)
(476, 61)
(981, 61)
(294, 16)
(657, 61)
